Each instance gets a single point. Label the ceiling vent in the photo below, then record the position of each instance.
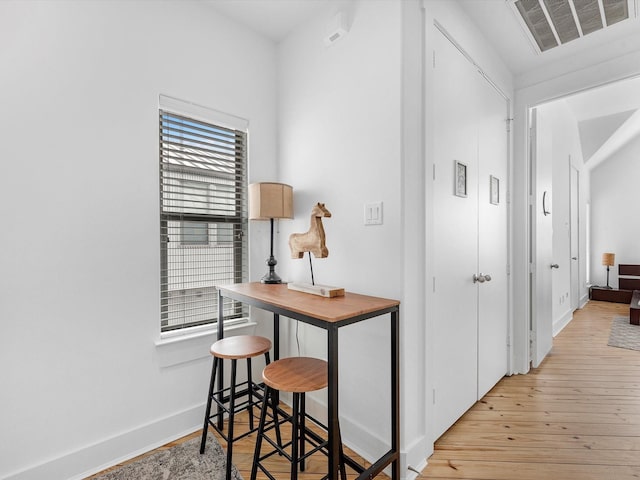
(550, 23)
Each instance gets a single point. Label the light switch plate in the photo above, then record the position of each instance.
(373, 213)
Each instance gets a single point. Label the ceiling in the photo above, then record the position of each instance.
(274, 19)
(608, 117)
(497, 21)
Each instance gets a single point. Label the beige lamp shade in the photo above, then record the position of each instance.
(270, 200)
(608, 259)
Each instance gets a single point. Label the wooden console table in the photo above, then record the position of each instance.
(330, 314)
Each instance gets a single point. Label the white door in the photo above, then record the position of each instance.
(541, 239)
(455, 238)
(492, 237)
(470, 234)
(575, 238)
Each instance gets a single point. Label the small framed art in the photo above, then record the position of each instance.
(494, 189)
(460, 179)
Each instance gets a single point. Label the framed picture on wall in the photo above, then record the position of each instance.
(460, 179)
(494, 187)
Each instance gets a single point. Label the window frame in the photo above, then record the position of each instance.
(215, 212)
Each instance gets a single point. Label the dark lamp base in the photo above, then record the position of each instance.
(271, 277)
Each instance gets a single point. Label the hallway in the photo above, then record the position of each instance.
(575, 417)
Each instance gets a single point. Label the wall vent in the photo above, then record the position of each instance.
(550, 23)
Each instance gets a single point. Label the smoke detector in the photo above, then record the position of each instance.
(550, 23)
(336, 28)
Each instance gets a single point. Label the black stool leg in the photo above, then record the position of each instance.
(274, 410)
(261, 422)
(250, 393)
(302, 428)
(294, 436)
(232, 406)
(207, 412)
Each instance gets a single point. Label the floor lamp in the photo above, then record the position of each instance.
(608, 260)
(267, 201)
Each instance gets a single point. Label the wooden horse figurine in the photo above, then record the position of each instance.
(313, 240)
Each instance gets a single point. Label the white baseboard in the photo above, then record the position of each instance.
(584, 299)
(414, 459)
(370, 446)
(94, 458)
(91, 459)
(562, 322)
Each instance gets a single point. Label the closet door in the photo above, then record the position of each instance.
(470, 236)
(455, 327)
(492, 236)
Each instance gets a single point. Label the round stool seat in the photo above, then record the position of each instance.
(241, 346)
(296, 374)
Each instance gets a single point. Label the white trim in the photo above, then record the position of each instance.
(584, 299)
(466, 55)
(203, 113)
(187, 348)
(355, 436)
(197, 331)
(115, 449)
(559, 325)
(413, 458)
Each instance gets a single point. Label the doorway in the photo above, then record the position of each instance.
(580, 139)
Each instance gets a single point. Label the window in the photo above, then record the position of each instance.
(203, 219)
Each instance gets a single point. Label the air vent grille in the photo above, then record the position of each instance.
(551, 23)
(562, 18)
(615, 11)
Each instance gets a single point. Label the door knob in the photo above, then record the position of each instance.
(555, 265)
(480, 278)
(574, 258)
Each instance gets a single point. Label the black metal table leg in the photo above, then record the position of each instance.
(332, 400)
(276, 351)
(395, 393)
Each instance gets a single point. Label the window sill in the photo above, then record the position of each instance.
(174, 348)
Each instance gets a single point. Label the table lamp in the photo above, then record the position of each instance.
(267, 201)
(608, 260)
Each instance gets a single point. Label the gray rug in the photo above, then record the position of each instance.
(624, 335)
(181, 462)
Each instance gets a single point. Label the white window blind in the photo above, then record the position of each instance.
(203, 219)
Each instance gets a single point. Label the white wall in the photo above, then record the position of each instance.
(350, 132)
(83, 382)
(340, 143)
(614, 212)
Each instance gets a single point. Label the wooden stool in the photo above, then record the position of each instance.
(234, 349)
(296, 375)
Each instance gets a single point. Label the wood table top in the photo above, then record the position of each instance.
(332, 309)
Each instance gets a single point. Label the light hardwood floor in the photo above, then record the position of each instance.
(575, 417)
